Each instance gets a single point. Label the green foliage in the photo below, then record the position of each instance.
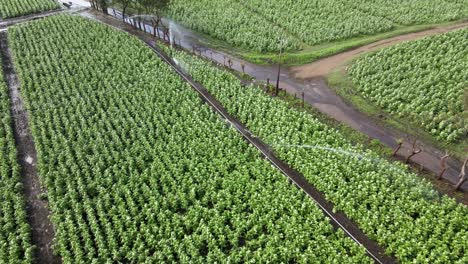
(410, 12)
(319, 21)
(15, 8)
(15, 233)
(259, 25)
(230, 21)
(422, 80)
(398, 209)
(139, 170)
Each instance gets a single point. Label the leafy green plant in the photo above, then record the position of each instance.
(260, 25)
(423, 81)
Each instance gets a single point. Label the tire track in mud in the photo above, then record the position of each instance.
(43, 232)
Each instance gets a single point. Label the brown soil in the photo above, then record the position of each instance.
(327, 65)
(36, 208)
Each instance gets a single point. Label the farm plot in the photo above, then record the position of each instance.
(392, 206)
(138, 169)
(231, 22)
(319, 21)
(262, 25)
(15, 233)
(422, 80)
(15, 8)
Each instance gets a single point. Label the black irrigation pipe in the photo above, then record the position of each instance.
(338, 219)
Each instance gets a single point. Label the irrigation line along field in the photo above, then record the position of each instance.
(38, 213)
(339, 220)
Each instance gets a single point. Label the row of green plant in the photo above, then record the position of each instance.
(139, 170)
(393, 206)
(423, 81)
(319, 21)
(15, 233)
(15, 8)
(410, 12)
(232, 22)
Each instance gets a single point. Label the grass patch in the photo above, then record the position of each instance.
(313, 53)
(343, 86)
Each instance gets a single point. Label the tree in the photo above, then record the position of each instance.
(100, 5)
(154, 8)
(414, 150)
(462, 176)
(124, 4)
(443, 164)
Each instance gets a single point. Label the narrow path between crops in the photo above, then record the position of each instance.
(36, 208)
(319, 95)
(5, 23)
(338, 220)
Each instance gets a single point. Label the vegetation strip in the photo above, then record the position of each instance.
(36, 208)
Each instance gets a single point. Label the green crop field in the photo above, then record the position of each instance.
(396, 208)
(267, 26)
(139, 170)
(138, 163)
(15, 234)
(15, 8)
(423, 81)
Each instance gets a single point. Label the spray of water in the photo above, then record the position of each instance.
(335, 150)
(428, 193)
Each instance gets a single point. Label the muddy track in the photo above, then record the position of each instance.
(338, 220)
(320, 96)
(36, 208)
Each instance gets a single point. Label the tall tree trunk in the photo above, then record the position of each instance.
(124, 9)
(103, 5)
(462, 176)
(155, 28)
